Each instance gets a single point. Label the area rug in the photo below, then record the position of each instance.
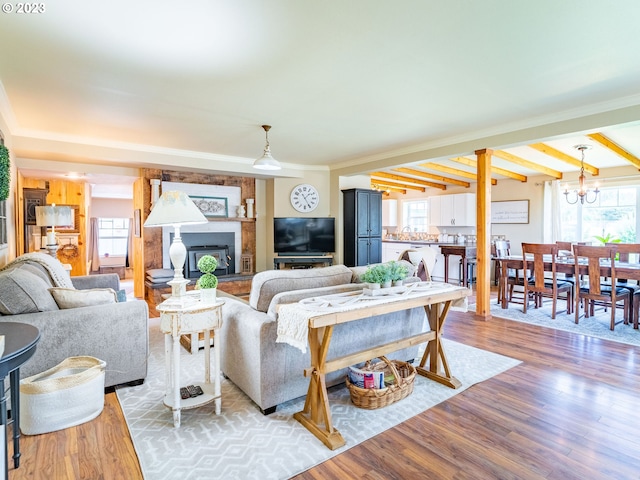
(242, 443)
(595, 326)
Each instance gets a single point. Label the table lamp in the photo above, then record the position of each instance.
(53, 216)
(175, 208)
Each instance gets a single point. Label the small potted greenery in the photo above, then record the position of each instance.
(377, 276)
(208, 282)
(398, 272)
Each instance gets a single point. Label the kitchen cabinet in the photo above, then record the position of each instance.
(389, 213)
(457, 210)
(362, 213)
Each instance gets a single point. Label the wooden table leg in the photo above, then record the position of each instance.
(446, 267)
(316, 414)
(465, 274)
(434, 351)
(503, 284)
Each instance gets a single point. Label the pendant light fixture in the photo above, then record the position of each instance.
(582, 193)
(266, 161)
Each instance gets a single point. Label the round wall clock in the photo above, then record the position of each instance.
(304, 197)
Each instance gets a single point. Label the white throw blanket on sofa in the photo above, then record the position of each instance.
(59, 276)
(293, 318)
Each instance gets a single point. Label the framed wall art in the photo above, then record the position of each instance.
(212, 206)
(513, 211)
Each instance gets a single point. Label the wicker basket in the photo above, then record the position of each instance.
(372, 398)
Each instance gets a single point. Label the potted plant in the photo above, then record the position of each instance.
(377, 276)
(372, 277)
(398, 272)
(208, 282)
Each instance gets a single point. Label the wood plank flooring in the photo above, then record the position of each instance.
(569, 411)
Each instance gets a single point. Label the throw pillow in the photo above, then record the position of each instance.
(22, 291)
(70, 298)
(159, 279)
(160, 273)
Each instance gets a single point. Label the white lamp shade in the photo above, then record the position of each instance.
(266, 161)
(174, 208)
(54, 216)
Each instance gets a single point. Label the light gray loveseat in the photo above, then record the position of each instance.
(271, 373)
(116, 332)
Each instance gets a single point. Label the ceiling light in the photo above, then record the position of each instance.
(582, 192)
(266, 161)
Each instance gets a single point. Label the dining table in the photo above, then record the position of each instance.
(565, 265)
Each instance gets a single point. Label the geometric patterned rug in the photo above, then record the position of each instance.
(243, 444)
(595, 326)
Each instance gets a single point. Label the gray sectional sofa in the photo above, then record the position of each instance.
(35, 289)
(271, 373)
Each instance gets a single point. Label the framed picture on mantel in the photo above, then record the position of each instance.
(212, 206)
(513, 211)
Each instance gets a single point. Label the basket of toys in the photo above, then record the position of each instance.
(379, 384)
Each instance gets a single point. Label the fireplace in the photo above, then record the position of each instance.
(219, 252)
(221, 245)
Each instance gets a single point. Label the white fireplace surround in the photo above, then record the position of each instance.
(233, 196)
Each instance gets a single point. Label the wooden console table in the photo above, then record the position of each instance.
(316, 414)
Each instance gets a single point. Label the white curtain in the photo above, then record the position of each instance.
(94, 256)
(128, 260)
(551, 226)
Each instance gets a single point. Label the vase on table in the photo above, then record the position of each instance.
(208, 295)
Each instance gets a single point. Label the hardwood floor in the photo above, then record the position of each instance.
(568, 411)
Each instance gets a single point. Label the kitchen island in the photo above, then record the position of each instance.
(393, 248)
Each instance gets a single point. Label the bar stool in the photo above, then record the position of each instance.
(471, 271)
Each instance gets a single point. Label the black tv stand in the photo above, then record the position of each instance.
(302, 260)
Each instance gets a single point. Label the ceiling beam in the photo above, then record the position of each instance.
(397, 185)
(385, 189)
(454, 171)
(440, 178)
(614, 147)
(500, 171)
(552, 152)
(527, 164)
(409, 180)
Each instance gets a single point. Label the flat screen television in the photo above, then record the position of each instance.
(295, 236)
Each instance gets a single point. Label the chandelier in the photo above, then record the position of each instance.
(582, 193)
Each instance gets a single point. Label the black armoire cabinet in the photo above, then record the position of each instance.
(362, 226)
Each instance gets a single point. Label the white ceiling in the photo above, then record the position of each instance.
(342, 83)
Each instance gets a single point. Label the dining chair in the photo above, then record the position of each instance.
(514, 278)
(564, 247)
(593, 291)
(629, 253)
(500, 249)
(534, 256)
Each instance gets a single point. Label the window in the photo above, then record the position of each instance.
(611, 216)
(3, 222)
(112, 236)
(414, 215)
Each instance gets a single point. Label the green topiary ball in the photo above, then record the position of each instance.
(207, 264)
(208, 280)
